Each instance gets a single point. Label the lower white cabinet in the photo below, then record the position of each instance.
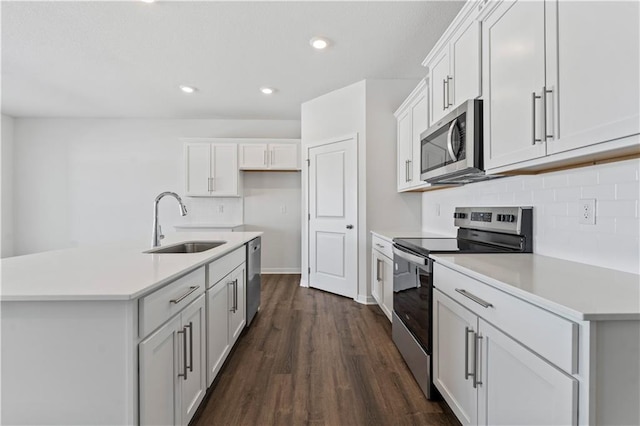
(486, 376)
(172, 368)
(217, 329)
(237, 294)
(382, 274)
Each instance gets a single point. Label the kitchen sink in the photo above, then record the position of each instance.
(187, 247)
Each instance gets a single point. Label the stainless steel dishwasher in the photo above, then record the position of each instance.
(253, 278)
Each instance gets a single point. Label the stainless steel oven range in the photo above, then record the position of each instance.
(480, 230)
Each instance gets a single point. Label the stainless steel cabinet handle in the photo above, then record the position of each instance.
(184, 296)
(184, 352)
(534, 140)
(477, 341)
(409, 177)
(475, 298)
(452, 127)
(233, 303)
(235, 295)
(449, 78)
(190, 327)
(379, 245)
(444, 91)
(378, 274)
(209, 184)
(467, 330)
(544, 100)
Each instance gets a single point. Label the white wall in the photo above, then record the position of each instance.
(614, 242)
(90, 181)
(272, 204)
(6, 154)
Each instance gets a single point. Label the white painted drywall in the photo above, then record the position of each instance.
(6, 153)
(365, 108)
(272, 204)
(613, 242)
(79, 182)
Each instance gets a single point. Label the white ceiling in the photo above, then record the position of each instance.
(127, 59)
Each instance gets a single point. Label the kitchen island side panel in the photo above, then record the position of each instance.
(69, 363)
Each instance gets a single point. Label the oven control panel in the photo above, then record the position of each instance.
(510, 220)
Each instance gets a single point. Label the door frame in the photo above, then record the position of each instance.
(304, 270)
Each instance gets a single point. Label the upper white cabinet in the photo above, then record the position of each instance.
(412, 119)
(271, 154)
(454, 65)
(557, 76)
(211, 169)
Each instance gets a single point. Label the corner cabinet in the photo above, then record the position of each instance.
(413, 119)
(269, 154)
(211, 169)
(454, 65)
(559, 76)
(382, 274)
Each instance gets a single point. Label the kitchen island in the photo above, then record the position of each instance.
(74, 321)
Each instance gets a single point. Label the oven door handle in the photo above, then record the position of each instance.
(452, 127)
(413, 258)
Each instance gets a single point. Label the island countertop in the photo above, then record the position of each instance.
(107, 272)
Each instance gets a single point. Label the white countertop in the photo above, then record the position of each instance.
(207, 225)
(390, 235)
(107, 272)
(570, 289)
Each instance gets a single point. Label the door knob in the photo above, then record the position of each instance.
(349, 226)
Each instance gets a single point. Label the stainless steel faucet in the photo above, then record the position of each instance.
(156, 235)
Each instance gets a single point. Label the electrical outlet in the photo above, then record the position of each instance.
(587, 211)
(283, 209)
(437, 209)
(221, 208)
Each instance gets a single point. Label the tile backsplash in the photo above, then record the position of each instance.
(613, 242)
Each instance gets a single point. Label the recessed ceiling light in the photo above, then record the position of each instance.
(319, 43)
(148, 1)
(188, 89)
(267, 90)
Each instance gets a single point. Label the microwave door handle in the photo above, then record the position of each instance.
(450, 140)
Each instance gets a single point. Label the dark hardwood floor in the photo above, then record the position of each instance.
(312, 357)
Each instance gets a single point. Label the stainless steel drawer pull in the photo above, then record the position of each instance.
(190, 327)
(467, 330)
(184, 296)
(184, 352)
(544, 97)
(379, 245)
(476, 299)
(476, 364)
(534, 140)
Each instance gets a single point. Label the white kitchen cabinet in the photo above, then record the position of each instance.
(492, 364)
(225, 308)
(413, 119)
(559, 76)
(211, 169)
(172, 371)
(382, 274)
(272, 154)
(454, 65)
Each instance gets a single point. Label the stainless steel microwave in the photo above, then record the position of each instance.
(451, 149)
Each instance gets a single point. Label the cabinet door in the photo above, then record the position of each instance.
(387, 286)
(194, 386)
(454, 355)
(465, 64)
(217, 328)
(405, 149)
(253, 156)
(439, 80)
(283, 156)
(224, 170)
(160, 364)
(237, 288)
(518, 387)
(197, 168)
(514, 75)
(419, 123)
(593, 66)
(376, 276)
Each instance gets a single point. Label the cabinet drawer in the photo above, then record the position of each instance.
(220, 268)
(159, 306)
(383, 246)
(551, 336)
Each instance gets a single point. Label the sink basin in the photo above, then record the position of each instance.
(187, 247)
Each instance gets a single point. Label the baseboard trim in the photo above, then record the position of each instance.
(366, 300)
(280, 271)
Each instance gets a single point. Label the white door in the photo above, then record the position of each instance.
(284, 156)
(217, 328)
(237, 318)
(453, 335)
(158, 375)
(224, 169)
(518, 387)
(439, 83)
(593, 64)
(195, 384)
(514, 73)
(198, 168)
(333, 227)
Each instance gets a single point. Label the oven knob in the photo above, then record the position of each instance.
(512, 218)
(500, 218)
(459, 215)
